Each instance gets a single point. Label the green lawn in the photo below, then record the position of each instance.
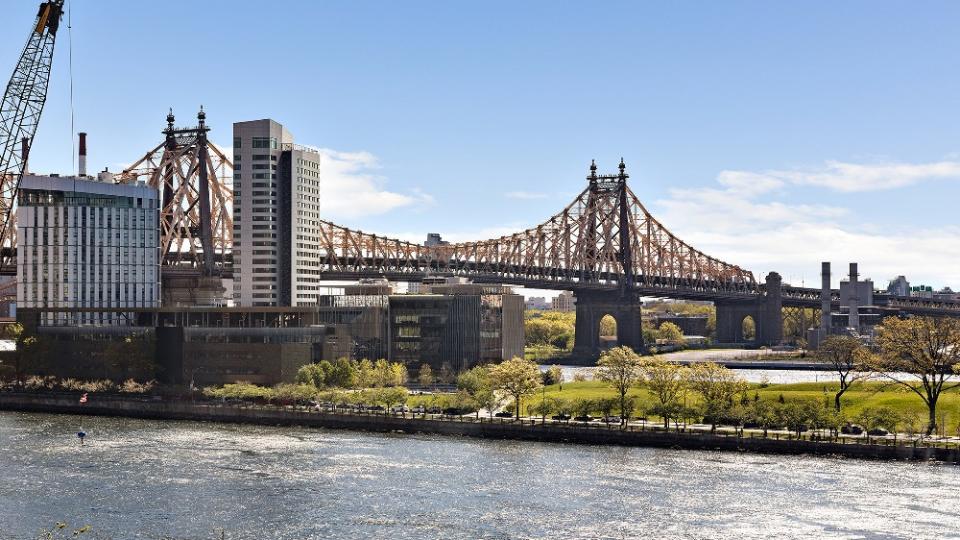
(871, 394)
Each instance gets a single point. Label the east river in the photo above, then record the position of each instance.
(152, 479)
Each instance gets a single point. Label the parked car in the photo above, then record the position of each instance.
(878, 432)
(563, 417)
(400, 409)
(376, 408)
(611, 419)
(504, 414)
(584, 418)
(419, 409)
(434, 410)
(851, 429)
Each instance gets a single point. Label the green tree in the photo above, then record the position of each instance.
(553, 375)
(845, 354)
(670, 332)
(608, 326)
(365, 375)
(425, 377)
(517, 377)
(920, 354)
(394, 395)
(622, 369)
(343, 374)
(606, 406)
(717, 386)
(398, 374)
(583, 407)
(667, 382)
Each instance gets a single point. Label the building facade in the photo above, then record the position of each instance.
(276, 217)
(87, 244)
(565, 301)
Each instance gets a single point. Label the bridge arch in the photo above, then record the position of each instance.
(748, 329)
(607, 329)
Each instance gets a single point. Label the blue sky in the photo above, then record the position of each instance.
(771, 135)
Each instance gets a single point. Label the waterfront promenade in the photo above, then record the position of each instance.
(530, 429)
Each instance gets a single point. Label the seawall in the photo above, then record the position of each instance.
(469, 427)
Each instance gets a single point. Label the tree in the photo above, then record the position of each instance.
(517, 377)
(874, 418)
(425, 378)
(398, 374)
(608, 326)
(670, 332)
(717, 387)
(583, 407)
(343, 374)
(623, 369)
(395, 395)
(553, 375)
(666, 381)
(542, 408)
(920, 354)
(475, 382)
(446, 373)
(364, 373)
(310, 374)
(845, 354)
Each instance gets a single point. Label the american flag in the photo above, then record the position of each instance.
(83, 398)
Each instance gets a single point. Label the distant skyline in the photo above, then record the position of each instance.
(769, 135)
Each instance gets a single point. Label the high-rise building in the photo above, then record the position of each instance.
(276, 217)
(87, 244)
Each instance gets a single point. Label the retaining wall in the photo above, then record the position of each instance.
(483, 428)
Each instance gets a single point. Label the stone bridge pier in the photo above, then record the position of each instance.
(592, 305)
(766, 312)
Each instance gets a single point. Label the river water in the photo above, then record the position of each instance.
(153, 479)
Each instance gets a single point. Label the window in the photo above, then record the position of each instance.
(265, 142)
(236, 142)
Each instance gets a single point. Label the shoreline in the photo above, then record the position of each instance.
(525, 430)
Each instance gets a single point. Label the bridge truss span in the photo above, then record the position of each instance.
(604, 239)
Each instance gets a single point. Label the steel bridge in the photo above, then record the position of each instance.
(610, 251)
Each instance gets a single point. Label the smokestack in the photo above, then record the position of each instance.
(24, 153)
(83, 154)
(854, 320)
(825, 298)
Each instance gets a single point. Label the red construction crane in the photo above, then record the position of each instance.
(19, 115)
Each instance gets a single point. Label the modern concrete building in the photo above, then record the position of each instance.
(84, 243)
(276, 217)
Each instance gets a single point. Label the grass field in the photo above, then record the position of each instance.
(868, 394)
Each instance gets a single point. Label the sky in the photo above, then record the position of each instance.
(771, 135)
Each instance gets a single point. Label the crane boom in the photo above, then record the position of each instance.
(20, 112)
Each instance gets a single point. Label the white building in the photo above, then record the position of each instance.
(83, 243)
(276, 217)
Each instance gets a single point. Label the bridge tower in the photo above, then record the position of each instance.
(766, 311)
(608, 205)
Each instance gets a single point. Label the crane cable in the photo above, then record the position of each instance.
(73, 140)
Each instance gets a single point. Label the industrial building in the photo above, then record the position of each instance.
(87, 243)
(857, 316)
(276, 213)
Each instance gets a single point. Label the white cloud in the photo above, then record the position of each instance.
(350, 188)
(744, 227)
(525, 195)
(844, 177)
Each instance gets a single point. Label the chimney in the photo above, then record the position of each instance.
(83, 154)
(825, 298)
(24, 153)
(854, 320)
